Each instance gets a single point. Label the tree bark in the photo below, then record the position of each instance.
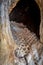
(41, 24)
(40, 3)
(7, 43)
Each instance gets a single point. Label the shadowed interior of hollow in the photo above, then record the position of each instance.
(28, 13)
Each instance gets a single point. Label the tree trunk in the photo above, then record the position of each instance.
(7, 43)
(41, 24)
(40, 3)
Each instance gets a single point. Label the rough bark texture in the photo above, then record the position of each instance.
(7, 43)
(12, 4)
(41, 24)
(40, 3)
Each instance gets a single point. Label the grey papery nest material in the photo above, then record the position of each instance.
(29, 46)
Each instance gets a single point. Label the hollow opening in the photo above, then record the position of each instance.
(28, 13)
